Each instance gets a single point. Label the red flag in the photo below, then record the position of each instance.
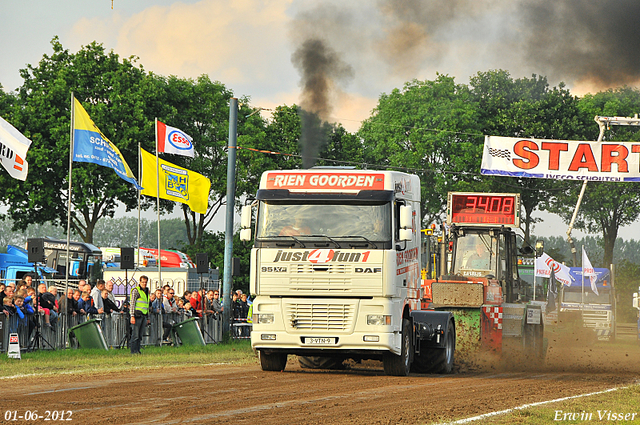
(174, 140)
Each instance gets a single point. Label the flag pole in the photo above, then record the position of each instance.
(158, 204)
(227, 317)
(582, 296)
(140, 180)
(68, 263)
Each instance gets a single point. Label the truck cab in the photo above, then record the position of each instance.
(335, 268)
(594, 311)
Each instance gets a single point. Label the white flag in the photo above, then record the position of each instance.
(542, 268)
(544, 264)
(13, 151)
(173, 140)
(587, 270)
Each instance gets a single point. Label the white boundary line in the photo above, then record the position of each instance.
(526, 406)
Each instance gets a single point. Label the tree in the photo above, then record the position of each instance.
(123, 232)
(115, 94)
(213, 244)
(201, 109)
(6, 103)
(627, 282)
(606, 206)
(525, 107)
(429, 128)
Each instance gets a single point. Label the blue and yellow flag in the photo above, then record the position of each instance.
(176, 183)
(90, 145)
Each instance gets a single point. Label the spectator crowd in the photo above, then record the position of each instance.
(25, 307)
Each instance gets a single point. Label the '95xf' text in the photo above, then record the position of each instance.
(34, 415)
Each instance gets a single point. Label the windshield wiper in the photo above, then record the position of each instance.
(358, 236)
(324, 236)
(284, 236)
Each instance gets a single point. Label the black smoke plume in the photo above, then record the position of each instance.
(321, 69)
(594, 41)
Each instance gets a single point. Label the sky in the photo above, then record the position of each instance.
(258, 48)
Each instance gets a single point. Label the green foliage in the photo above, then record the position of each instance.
(83, 361)
(525, 107)
(114, 93)
(123, 232)
(627, 282)
(213, 244)
(201, 108)
(109, 232)
(606, 206)
(431, 128)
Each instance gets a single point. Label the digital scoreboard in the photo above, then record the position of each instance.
(484, 209)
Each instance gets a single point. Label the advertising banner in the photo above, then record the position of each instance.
(561, 159)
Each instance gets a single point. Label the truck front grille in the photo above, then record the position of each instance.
(319, 316)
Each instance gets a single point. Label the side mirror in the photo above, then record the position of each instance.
(245, 218)
(406, 217)
(405, 234)
(245, 235)
(539, 248)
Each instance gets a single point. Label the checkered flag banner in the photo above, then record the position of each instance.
(500, 153)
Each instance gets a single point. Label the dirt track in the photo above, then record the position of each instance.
(362, 395)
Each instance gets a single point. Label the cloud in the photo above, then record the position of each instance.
(240, 43)
(248, 44)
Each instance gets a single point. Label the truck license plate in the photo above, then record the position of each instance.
(319, 341)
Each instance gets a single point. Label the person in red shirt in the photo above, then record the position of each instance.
(196, 301)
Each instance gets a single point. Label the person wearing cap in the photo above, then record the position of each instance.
(139, 313)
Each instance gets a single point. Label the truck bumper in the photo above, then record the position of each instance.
(365, 345)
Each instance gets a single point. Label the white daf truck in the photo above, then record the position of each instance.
(335, 268)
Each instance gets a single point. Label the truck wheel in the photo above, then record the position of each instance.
(274, 362)
(400, 365)
(437, 360)
(316, 362)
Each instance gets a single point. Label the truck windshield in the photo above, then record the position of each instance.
(589, 296)
(475, 252)
(369, 221)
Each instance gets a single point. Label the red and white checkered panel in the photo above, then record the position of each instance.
(494, 314)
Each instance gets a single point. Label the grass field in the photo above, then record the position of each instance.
(615, 406)
(47, 362)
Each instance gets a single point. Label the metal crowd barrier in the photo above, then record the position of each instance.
(115, 328)
(241, 329)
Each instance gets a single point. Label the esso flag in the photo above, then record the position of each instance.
(561, 159)
(173, 140)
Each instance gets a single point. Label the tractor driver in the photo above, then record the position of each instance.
(480, 258)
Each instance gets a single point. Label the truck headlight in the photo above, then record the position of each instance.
(378, 319)
(263, 318)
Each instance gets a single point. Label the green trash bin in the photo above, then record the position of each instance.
(89, 335)
(189, 332)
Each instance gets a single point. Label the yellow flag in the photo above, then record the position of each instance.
(176, 183)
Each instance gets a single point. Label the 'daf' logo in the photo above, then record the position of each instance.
(179, 140)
